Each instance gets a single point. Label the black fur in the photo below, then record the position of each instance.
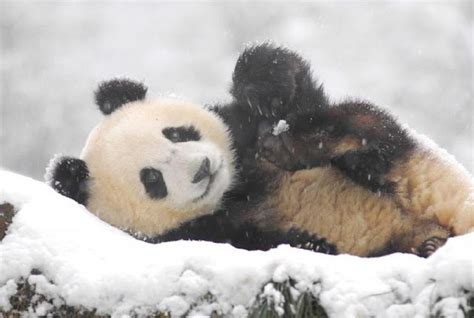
(154, 183)
(242, 126)
(385, 142)
(314, 135)
(221, 228)
(430, 246)
(268, 82)
(111, 95)
(182, 134)
(233, 224)
(251, 184)
(69, 177)
(272, 83)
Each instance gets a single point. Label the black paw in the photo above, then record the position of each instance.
(289, 150)
(68, 176)
(276, 148)
(310, 242)
(270, 80)
(429, 246)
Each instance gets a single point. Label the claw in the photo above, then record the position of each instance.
(430, 246)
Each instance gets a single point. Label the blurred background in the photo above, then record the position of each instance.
(414, 58)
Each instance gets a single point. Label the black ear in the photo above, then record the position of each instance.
(273, 81)
(69, 177)
(112, 94)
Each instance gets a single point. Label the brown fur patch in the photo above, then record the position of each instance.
(346, 144)
(365, 121)
(429, 187)
(322, 201)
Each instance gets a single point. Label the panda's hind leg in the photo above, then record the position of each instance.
(430, 246)
(422, 238)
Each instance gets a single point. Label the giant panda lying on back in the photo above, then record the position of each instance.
(277, 198)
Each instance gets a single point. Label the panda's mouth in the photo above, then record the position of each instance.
(212, 178)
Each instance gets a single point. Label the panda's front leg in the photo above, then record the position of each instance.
(272, 81)
(269, 83)
(341, 137)
(291, 150)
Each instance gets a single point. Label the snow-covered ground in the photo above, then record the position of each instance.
(87, 262)
(413, 57)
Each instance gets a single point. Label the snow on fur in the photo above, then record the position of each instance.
(87, 262)
(280, 127)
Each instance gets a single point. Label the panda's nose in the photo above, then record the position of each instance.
(203, 172)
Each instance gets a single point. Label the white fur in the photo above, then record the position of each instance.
(131, 139)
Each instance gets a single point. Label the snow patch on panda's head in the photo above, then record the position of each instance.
(154, 165)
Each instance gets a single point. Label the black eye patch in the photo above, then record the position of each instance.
(154, 183)
(181, 134)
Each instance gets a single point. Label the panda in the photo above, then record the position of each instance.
(167, 170)
(359, 139)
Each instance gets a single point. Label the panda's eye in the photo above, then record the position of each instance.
(154, 183)
(181, 134)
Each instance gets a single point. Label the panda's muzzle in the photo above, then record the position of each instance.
(203, 172)
(206, 172)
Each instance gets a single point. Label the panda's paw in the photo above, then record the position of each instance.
(289, 150)
(310, 242)
(429, 246)
(276, 148)
(318, 245)
(267, 79)
(68, 176)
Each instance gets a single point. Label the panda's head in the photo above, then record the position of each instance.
(152, 165)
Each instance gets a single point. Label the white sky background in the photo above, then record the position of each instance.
(415, 59)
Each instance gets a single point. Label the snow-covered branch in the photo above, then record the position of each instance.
(67, 259)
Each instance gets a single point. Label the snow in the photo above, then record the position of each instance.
(280, 127)
(84, 261)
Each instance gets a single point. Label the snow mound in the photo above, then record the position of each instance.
(85, 262)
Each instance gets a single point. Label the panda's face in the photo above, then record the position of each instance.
(156, 164)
